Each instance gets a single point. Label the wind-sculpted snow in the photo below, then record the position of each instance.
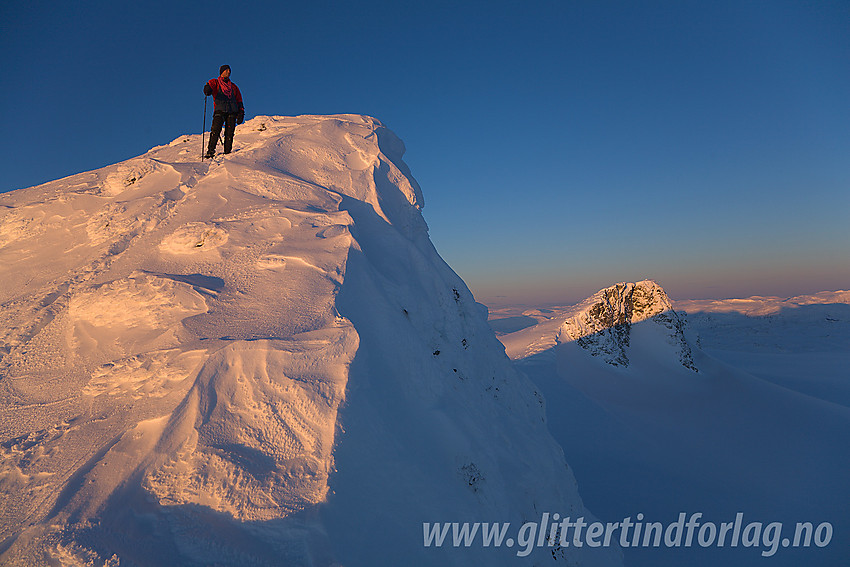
(254, 437)
(258, 359)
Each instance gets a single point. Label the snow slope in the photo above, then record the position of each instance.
(800, 343)
(762, 428)
(255, 360)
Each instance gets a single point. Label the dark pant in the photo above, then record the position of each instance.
(229, 121)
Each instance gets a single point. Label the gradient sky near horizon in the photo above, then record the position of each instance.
(561, 146)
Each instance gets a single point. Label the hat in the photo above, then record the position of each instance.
(222, 68)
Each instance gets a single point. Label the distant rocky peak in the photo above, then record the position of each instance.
(602, 325)
(646, 300)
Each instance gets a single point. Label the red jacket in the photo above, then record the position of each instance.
(223, 103)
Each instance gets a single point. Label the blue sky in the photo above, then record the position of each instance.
(561, 146)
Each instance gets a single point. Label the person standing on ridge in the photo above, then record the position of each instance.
(229, 109)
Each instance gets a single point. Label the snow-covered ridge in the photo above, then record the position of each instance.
(238, 360)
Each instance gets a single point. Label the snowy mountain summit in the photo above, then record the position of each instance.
(258, 359)
(603, 323)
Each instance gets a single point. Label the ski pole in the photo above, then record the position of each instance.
(204, 131)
